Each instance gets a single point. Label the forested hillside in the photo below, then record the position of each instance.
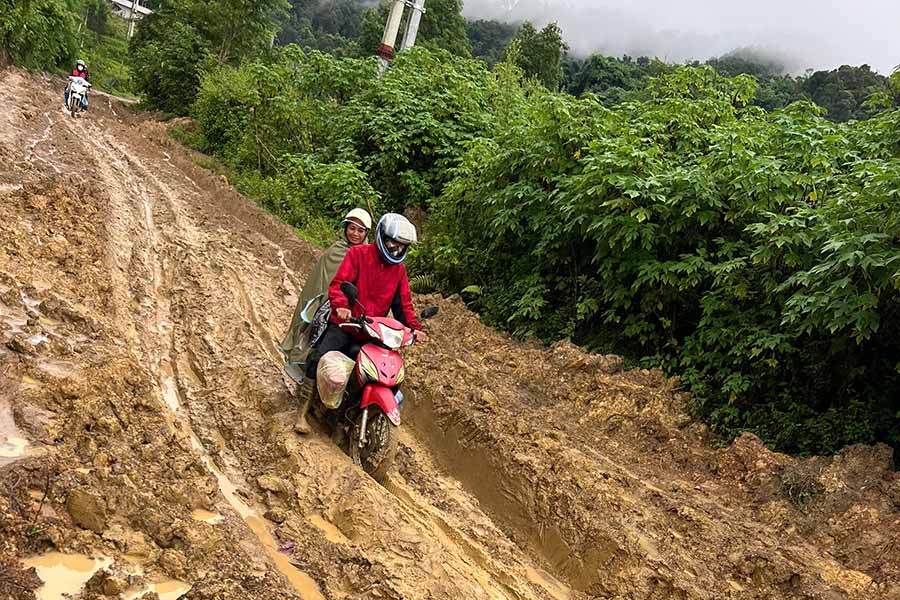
(710, 219)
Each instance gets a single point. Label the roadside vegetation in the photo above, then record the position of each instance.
(732, 224)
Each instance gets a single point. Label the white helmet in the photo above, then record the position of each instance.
(360, 215)
(396, 228)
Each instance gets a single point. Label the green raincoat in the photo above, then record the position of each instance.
(295, 345)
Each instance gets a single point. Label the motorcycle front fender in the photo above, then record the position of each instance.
(383, 398)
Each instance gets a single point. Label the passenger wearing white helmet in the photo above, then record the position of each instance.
(312, 309)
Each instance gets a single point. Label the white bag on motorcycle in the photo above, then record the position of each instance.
(332, 377)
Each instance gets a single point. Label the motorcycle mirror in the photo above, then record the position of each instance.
(350, 291)
(429, 312)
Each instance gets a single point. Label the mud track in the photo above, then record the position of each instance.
(144, 422)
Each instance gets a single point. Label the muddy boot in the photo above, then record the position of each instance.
(304, 395)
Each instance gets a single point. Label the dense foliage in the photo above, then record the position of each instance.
(662, 212)
(489, 39)
(843, 92)
(753, 253)
(181, 38)
(539, 53)
(41, 34)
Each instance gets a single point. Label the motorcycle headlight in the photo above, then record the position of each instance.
(368, 367)
(392, 338)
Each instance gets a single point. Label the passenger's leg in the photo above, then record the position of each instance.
(334, 339)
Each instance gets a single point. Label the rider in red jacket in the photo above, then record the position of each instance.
(377, 271)
(81, 70)
(377, 281)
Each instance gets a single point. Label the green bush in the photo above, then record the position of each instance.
(39, 34)
(755, 254)
(182, 39)
(166, 64)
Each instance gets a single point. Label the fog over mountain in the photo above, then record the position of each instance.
(801, 33)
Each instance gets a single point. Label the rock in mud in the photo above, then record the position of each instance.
(276, 516)
(19, 346)
(274, 484)
(87, 510)
(104, 583)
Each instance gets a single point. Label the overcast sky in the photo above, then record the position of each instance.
(805, 33)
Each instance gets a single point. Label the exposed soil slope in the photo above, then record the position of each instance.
(140, 297)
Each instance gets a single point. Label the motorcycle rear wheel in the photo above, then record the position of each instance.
(378, 453)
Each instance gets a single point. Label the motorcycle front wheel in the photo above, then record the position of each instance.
(380, 447)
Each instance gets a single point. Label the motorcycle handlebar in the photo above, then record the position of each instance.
(357, 321)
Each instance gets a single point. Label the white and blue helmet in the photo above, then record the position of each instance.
(396, 228)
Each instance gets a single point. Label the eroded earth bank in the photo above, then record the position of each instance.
(146, 447)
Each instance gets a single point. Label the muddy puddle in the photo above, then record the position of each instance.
(13, 443)
(58, 369)
(167, 589)
(206, 516)
(332, 533)
(302, 583)
(556, 589)
(64, 575)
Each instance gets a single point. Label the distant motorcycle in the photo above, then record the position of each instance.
(76, 92)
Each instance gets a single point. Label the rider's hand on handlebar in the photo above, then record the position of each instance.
(421, 337)
(343, 314)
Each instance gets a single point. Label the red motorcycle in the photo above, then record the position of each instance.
(369, 409)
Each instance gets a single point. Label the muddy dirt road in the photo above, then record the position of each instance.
(146, 444)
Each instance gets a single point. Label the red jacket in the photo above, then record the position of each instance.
(377, 282)
(82, 74)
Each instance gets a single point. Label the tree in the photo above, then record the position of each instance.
(173, 43)
(40, 34)
(371, 29)
(97, 15)
(843, 91)
(443, 26)
(489, 38)
(539, 53)
(236, 29)
(613, 80)
(328, 26)
(167, 60)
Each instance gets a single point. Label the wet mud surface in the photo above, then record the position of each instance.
(147, 450)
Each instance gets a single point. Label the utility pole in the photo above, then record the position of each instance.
(412, 26)
(131, 19)
(391, 29)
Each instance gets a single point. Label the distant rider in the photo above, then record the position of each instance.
(378, 272)
(80, 70)
(296, 343)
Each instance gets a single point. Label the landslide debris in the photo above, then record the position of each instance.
(149, 431)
